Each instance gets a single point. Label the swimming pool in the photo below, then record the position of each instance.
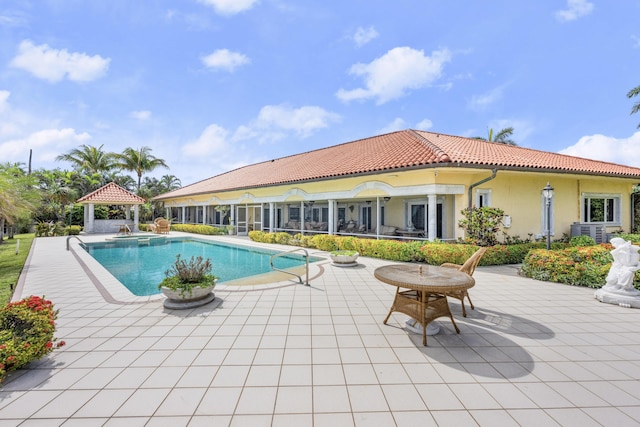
(140, 264)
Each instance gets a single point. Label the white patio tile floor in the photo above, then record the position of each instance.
(531, 353)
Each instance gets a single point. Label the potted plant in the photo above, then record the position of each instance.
(188, 282)
(230, 229)
(344, 258)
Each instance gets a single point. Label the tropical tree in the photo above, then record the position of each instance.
(18, 195)
(139, 161)
(636, 107)
(58, 189)
(90, 159)
(169, 183)
(504, 136)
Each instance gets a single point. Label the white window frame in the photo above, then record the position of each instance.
(617, 208)
(483, 194)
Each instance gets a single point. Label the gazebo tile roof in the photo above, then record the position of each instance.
(112, 193)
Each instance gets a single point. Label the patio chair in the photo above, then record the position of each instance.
(154, 225)
(350, 227)
(163, 226)
(468, 267)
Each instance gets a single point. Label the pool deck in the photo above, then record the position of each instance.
(531, 353)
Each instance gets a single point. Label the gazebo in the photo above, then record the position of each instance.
(110, 194)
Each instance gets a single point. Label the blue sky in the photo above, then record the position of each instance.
(211, 85)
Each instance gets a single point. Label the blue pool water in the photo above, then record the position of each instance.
(140, 265)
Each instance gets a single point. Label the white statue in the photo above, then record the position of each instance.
(626, 261)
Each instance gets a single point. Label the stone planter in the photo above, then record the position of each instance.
(344, 259)
(180, 300)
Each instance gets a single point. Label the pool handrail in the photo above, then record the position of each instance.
(306, 257)
(73, 235)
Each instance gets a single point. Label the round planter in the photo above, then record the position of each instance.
(344, 260)
(180, 300)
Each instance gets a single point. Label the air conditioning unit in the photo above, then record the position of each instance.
(597, 231)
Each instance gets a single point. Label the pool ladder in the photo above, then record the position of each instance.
(306, 257)
(72, 237)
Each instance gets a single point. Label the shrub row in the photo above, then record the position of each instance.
(434, 253)
(197, 229)
(26, 332)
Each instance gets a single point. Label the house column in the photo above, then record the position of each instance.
(167, 213)
(135, 218)
(302, 217)
(378, 219)
(232, 215)
(183, 214)
(204, 214)
(272, 216)
(332, 216)
(433, 221)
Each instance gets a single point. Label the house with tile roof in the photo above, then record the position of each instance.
(110, 194)
(412, 184)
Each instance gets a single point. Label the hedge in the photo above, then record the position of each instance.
(434, 253)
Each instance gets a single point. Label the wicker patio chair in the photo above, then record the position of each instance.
(163, 226)
(468, 267)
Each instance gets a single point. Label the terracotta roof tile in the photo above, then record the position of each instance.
(112, 193)
(397, 150)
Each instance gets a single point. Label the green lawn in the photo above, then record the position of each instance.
(11, 263)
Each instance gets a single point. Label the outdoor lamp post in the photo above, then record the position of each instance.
(547, 193)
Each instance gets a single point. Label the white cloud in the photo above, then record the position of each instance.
(394, 73)
(225, 59)
(425, 124)
(140, 115)
(607, 148)
(480, 102)
(46, 144)
(212, 140)
(54, 65)
(303, 121)
(575, 9)
(4, 97)
(363, 36)
(230, 7)
(397, 124)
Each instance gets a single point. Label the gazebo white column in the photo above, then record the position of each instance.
(91, 219)
(135, 218)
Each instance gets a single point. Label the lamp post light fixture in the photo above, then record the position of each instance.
(547, 193)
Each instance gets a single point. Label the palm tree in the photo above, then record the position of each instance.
(90, 159)
(503, 136)
(169, 183)
(636, 107)
(139, 161)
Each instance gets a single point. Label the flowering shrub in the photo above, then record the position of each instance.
(582, 266)
(26, 332)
